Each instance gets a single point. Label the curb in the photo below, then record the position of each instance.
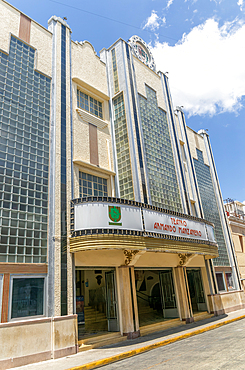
(124, 355)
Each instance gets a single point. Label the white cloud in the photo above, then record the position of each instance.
(154, 21)
(240, 3)
(170, 2)
(206, 68)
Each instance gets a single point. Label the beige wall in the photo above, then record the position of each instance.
(196, 141)
(114, 257)
(145, 76)
(237, 227)
(36, 340)
(87, 66)
(40, 38)
(228, 302)
(11, 18)
(89, 76)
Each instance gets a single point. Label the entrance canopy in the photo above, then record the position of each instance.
(112, 223)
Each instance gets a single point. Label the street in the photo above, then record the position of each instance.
(221, 348)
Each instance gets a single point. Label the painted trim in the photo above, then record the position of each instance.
(142, 242)
(5, 297)
(25, 28)
(1, 295)
(23, 268)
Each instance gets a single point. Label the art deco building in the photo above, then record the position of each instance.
(112, 217)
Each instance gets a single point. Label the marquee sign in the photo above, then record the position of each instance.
(107, 216)
(162, 223)
(103, 215)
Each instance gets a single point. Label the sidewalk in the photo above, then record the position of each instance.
(95, 358)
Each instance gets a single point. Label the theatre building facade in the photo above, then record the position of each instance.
(112, 217)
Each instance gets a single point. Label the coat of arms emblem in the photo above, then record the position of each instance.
(115, 215)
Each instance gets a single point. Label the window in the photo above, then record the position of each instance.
(193, 209)
(89, 104)
(241, 242)
(90, 185)
(27, 297)
(225, 281)
(220, 281)
(229, 281)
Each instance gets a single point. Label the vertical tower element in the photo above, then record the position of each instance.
(137, 129)
(60, 174)
(63, 189)
(225, 227)
(190, 164)
(126, 168)
(180, 172)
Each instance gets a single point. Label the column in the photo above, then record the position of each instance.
(125, 299)
(183, 295)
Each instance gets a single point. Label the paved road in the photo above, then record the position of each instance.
(219, 349)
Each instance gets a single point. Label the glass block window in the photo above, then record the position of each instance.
(164, 187)
(210, 208)
(27, 297)
(90, 185)
(122, 148)
(24, 156)
(89, 104)
(114, 68)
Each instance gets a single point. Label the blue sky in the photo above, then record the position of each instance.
(199, 42)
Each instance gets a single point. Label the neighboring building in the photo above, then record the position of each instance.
(235, 212)
(110, 205)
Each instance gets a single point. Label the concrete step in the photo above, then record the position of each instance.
(84, 347)
(159, 326)
(202, 316)
(101, 340)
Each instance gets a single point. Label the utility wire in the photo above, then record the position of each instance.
(110, 19)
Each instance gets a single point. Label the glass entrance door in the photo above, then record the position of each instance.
(111, 301)
(196, 290)
(96, 303)
(168, 296)
(155, 296)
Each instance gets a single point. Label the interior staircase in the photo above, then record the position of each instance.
(147, 315)
(95, 321)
